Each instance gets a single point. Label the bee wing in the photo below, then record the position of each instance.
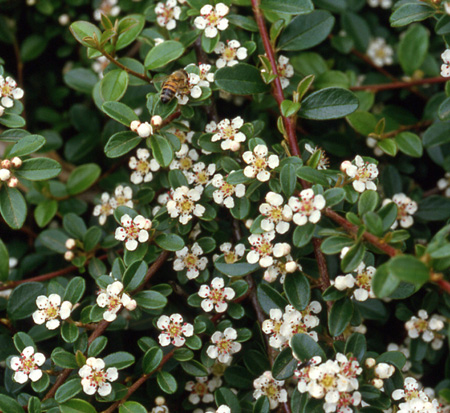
(159, 80)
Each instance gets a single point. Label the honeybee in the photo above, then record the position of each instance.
(178, 81)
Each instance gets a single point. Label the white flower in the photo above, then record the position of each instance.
(415, 400)
(384, 370)
(103, 210)
(445, 68)
(184, 158)
(192, 89)
(263, 250)
(9, 91)
(107, 7)
(143, 129)
(173, 330)
(123, 196)
(167, 14)
(142, 166)
(230, 53)
(285, 71)
(201, 390)
(272, 327)
(50, 308)
(183, 204)
(227, 131)
(306, 207)
(300, 321)
(281, 267)
(212, 18)
(444, 183)
(99, 65)
(420, 326)
(380, 53)
(277, 215)
(225, 191)
(447, 7)
(384, 4)
(190, 260)
(114, 298)
(182, 132)
(258, 162)
(266, 385)
(94, 378)
(323, 160)
(223, 409)
(27, 365)
(133, 230)
(224, 345)
(216, 296)
(361, 282)
(231, 255)
(206, 77)
(362, 174)
(200, 174)
(406, 207)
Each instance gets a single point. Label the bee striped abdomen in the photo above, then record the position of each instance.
(168, 92)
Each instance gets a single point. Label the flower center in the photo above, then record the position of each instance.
(98, 378)
(227, 189)
(328, 381)
(28, 364)
(201, 389)
(174, 330)
(363, 174)
(264, 248)
(106, 209)
(230, 257)
(229, 54)
(6, 89)
(202, 177)
(185, 163)
(51, 312)
(132, 231)
(167, 14)
(212, 19)
(307, 206)
(276, 214)
(224, 346)
(142, 167)
(114, 302)
(121, 200)
(216, 295)
(186, 205)
(259, 163)
(271, 391)
(190, 261)
(363, 280)
(228, 132)
(421, 325)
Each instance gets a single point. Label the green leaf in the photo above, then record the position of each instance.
(194, 368)
(312, 175)
(334, 196)
(287, 6)
(69, 332)
(388, 146)
(410, 144)
(150, 300)
(120, 112)
(121, 143)
(97, 346)
(384, 283)
(284, 365)
(38, 169)
(135, 24)
(68, 390)
(356, 344)
(270, 298)
(152, 359)
(134, 275)
(297, 290)
(306, 31)
(11, 120)
(32, 47)
(22, 340)
(303, 234)
(410, 269)
(335, 244)
(329, 103)
(82, 29)
(166, 382)
(262, 405)
(12, 207)
(162, 54)
(340, 316)
(45, 211)
(357, 28)
(169, 242)
(434, 208)
(82, 178)
(34, 405)
(362, 122)
(177, 179)
(10, 405)
(22, 301)
(81, 79)
(413, 48)
(305, 348)
(91, 238)
(208, 43)
(54, 239)
(240, 79)
(77, 406)
(74, 225)
(368, 201)
(353, 258)
(410, 12)
(75, 290)
(63, 358)
(119, 360)
(132, 407)
(288, 179)
(114, 85)
(162, 150)
(4, 262)
(225, 396)
(26, 145)
(238, 269)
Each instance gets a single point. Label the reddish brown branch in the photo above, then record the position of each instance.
(401, 85)
(277, 90)
(444, 285)
(123, 67)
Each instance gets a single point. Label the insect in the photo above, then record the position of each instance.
(178, 81)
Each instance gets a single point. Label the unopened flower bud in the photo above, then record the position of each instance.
(6, 163)
(371, 143)
(5, 174)
(64, 19)
(147, 224)
(345, 165)
(145, 130)
(13, 182)
(131, 305)
(291, 266)
(70, 243)
(135, 125)
(69, 255)
(159, 401)
(370, 362)
(248, 223)
(378, 383)
(16, 162)
(384, 370)
(234, 146)
(156, 120)
(2, 110)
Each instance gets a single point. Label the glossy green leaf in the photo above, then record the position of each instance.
(410, 12)
(162, 150)
(114, 85)
(162, 54)
(82, 29)
(413, 48)
(22, 301)
(13, 207)
(152, 359)
(166, 382)
(410, 269)
(288, 6)
(26, 145)
(68, 390)
(121, 113)
(82, 178)
(297, 290)
(340, 316)
(240, 79)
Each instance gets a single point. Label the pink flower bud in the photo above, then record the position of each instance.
(70, 243)
(134, 125)
(345, 165)
(156, 120)
(145, 130)
(12, 183)
(6, 163)
(378, 383)
(148, 224)
(5, 174)
(370, 362)
(69, 255)
(16, 162)
(131, 305)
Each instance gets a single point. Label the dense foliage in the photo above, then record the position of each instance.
(224, 206)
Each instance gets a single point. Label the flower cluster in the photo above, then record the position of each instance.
(167, 14)
(415, 400)
(266, 385)
(335, 381)
(113, 299)
(428, 329)
(381, 371)
(361, 173)
(361, 282)
(8, 93)
(406, 207)
(123, 196)
(6, 173)
(281, 327)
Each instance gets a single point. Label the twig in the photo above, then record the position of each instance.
(403, 128)
(401, 85)
(277, 90)
(127, 69)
